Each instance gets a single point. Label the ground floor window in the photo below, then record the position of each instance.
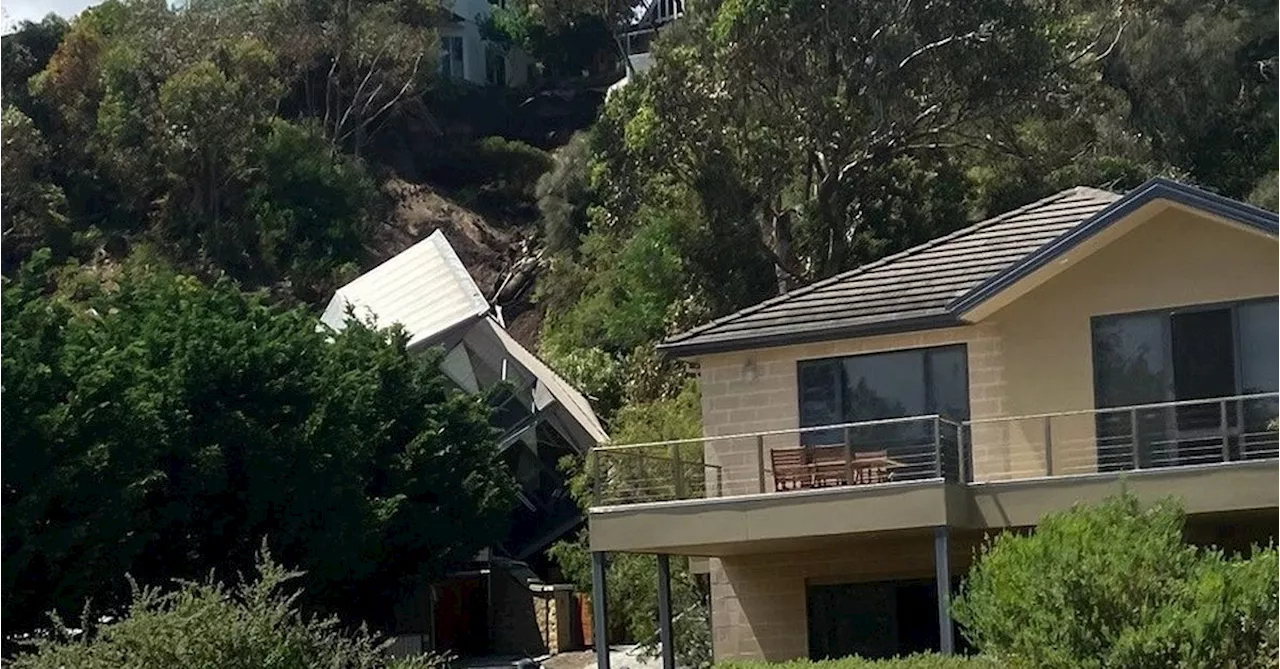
(875, 620)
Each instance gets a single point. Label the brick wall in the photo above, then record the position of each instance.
(755, 391)
(555, 616)
(759, 601)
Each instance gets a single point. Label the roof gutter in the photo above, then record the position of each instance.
(677, 349)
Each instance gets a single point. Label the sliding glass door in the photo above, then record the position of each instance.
(1131, 367)
(1192, 353)
(1257, 335)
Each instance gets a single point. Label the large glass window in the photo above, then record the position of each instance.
(1189, 353)
(897, 384)
(451, 59)
(1259, 334)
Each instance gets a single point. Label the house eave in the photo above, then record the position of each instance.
(691, 349)
(1153, 190)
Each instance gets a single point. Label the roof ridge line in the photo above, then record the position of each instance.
(804, 290)
(1152, 189)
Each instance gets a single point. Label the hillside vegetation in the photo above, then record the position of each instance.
(284, 146)
(778, 142)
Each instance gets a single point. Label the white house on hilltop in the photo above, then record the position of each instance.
(465, 55)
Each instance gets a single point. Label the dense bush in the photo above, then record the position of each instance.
(1115, 586)
(495, 175)
(207, 625)
(313, 206)
(161, 427)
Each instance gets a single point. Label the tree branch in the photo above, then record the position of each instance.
(408, 83)
(1090, 47)
(937, 45)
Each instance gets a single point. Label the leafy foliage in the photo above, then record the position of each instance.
(563, 195)
(1115, 585)
(775, 142)
(34, 210)
(313, 207)
(1201, 83)
(24, 53)
(160, 427)
(215, 131)
(500, 175)
(631, 579)
(208, 625)
(564, 45)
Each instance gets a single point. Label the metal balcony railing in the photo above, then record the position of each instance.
(1164, 434)
(880, 451)
(916, 448)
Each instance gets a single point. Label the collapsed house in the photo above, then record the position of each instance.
(497, 604)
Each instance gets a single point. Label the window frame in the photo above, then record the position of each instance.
(1167, 314)
(456, 66)
(930, 399)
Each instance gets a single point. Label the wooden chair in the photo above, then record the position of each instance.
(832, 468)
(790, 469)
(829, 466)
(874, 466)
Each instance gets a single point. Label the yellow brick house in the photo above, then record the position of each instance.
(862, 435)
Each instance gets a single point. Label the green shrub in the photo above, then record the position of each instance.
(312, 206)
(917, 661)
(497, 175)
(1115, 586)
(160, 427)
(210, 626)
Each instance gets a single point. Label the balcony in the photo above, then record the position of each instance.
(924, 471)
(779, 461)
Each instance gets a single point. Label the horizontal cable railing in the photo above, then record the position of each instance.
(865, 452)
(1112, 439)
(916, 448)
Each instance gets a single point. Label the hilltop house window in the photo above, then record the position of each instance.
(495, 66)
(1201, 352)
(896, 384)
(451, 60)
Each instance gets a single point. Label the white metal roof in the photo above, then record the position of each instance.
(425, 288)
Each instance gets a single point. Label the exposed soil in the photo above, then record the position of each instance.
(488, 250)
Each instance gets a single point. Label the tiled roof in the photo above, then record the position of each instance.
(904, 291)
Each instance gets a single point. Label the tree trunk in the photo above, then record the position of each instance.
(826, 205)
(779, 239)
